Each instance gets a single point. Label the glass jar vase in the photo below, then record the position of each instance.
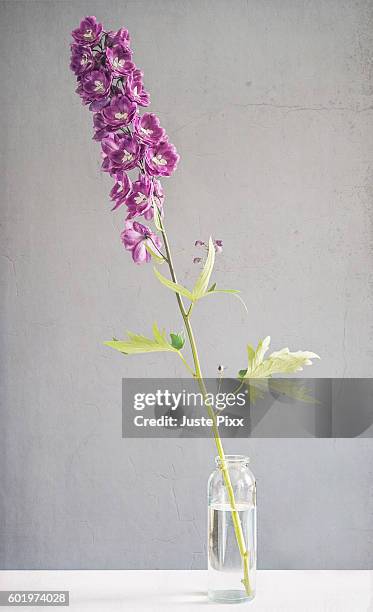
(231, 531)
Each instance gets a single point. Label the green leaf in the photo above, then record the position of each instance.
(279, 362)
(250, 357)
(173, 286)
(154, 255)
(157, 217)
(256, 357)
(177, 341)
(257, 388)
(293, 389)
(234, 292)
(286, 362)
(200, 288)
(159, 336)
(136, 344)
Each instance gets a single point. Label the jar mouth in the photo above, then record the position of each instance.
(233, 460)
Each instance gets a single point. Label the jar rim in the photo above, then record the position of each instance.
(235, 459)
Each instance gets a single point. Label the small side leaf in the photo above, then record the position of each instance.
(202, 282)
(173, 286)
(154, 255)
(234, 292)
(157, 219)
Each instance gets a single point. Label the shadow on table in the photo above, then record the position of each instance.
(165, 599)
(192, 598)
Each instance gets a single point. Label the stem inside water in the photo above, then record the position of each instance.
(198, 375)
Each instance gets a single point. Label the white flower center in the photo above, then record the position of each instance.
(146, 131)
(99, 86)
(159, 160)
(140, 198)
(127, 156)
(88, 34)
(121, 115)
(84, 60)
(118, 63)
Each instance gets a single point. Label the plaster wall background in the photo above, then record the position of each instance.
(270, 106)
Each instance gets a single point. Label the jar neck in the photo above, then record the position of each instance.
(233, 461)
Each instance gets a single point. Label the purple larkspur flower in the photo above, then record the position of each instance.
(98, 105)
(121, 37)
(89, 31)
(148, 129)
(94, 85)
(120, 190)
(121, 152)
(135, 237)
(102, 129)
(135, 88)
(120, 111)
(82, 59)
(162, 159)
(139, 202)
(100, 59)
(119, 60)
(218, 246)
(112, 86)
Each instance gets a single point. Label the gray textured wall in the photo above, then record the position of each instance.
(269, 104)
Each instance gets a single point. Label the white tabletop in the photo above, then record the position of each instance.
(158, 590)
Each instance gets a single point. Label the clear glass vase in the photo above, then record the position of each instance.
(226, 570)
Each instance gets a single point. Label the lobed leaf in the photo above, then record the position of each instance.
(279, 362)
(136, 344)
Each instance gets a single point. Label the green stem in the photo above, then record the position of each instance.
(155, 246)
(198, 375)
(186, 363)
